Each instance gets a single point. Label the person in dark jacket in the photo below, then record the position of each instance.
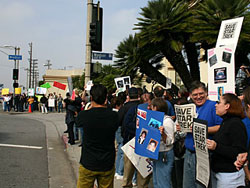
(70, 121)
(44, 100)
(227, 143)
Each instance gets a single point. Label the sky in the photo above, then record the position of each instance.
(57, 30)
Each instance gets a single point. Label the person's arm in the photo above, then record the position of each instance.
(167, 131)
(214, 129)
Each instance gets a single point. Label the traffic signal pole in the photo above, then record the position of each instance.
(88, 44)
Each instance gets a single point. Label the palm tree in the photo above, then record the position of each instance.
(206, 21)
(147, 60)
(164, 24)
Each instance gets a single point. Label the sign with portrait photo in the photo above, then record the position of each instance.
(123, 83)
(143, 164)
(221, 75)
(31, 92)
(148, 136)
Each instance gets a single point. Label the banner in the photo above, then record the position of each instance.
(46, 85)
(148, 136)
(18, 91)
(59, 85)
(123, 83)
(184, 116)
(31, 92)
(229, 33)
(41, 90)
(142, 164)
(221, 77)
(202, 157)
(5, 91)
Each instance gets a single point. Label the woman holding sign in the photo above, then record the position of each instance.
(163, 166)
(229, 141)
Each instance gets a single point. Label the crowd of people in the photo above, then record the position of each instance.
(107, 121)
(22, 103)
(111, 116)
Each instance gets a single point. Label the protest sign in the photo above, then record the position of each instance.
(143, 164)
(148, 136)
(123, 83)
(41, 90)
(168, 83)
(51, 102)
(229, 33)
(59, 85)
(18, 91)
(31, 92)
(70, 85)
(184, 116)
(221, 77)
(5, 91)
(202, 157)
(89, 85)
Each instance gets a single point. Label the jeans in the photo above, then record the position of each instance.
(177, 173)
(228, 180)
(119, 160)
(162, 170)
(81, 132)
(189, 176)
(6, 106)
(60, 105)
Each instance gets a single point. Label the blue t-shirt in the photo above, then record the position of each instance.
(246, 122)
(170, 108)
(205, 112)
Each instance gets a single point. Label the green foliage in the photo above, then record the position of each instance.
(78, 81)
(107, 76)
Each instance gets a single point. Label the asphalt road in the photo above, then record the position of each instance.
(23, 153)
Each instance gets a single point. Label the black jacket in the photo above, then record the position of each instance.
(231, 140)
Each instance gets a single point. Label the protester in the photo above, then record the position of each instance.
(44, 100)
(60, 103)
(67, 101)
(227, 143)
(70, 121)
(205, 110)
(98, 151)
(244, 158)
(127, 118)
(162, 167)
(31, 103)
(7, 100)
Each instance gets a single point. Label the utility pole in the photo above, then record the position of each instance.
(30, 52)
(48, 64)
(88, 45)
(33, 71)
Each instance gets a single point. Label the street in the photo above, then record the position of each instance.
(33, 153)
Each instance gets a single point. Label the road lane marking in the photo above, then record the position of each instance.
(20, 146)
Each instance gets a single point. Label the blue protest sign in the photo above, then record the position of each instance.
(148, 136)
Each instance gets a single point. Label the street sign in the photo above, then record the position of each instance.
(15, 57)
(102, 56)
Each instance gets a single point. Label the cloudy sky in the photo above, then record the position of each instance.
(57, 30)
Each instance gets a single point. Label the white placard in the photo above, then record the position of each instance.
(41, 90)
(221, 72)
(143, 164)
(51, 103)
(123, 83)
(89, 85)
(31, 92)
(229, 32)
(184, 116)
(201, 151)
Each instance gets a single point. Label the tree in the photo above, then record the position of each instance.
(206, 21)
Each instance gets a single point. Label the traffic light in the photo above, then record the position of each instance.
(15, 74)
(96, 28)
(15, 85)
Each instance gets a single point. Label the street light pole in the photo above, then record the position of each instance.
(88, 45)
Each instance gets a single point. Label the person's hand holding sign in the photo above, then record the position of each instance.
(163, 134)
(211, 144)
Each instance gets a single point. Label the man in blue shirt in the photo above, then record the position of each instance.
(205, 110)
